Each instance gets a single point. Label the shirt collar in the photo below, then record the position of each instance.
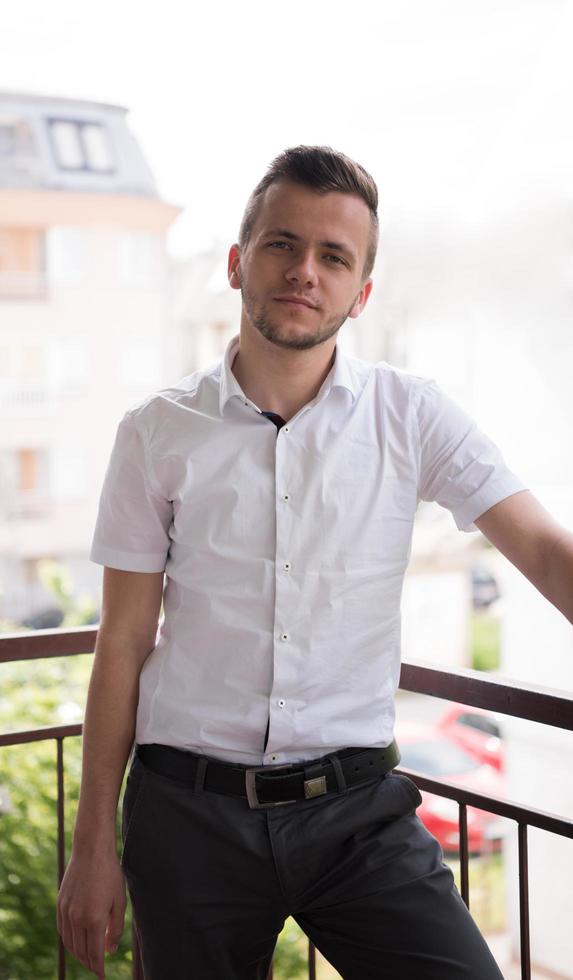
(341, 375)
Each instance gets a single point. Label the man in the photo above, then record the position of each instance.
(277, 493)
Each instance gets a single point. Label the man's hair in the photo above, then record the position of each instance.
(322, 169)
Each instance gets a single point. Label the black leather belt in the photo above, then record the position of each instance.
(269, 786)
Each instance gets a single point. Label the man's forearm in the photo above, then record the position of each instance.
(556, 583)
(108, 735)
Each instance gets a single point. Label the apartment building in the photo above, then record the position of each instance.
(83, 325)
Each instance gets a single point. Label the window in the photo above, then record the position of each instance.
(68, 363)
(66, 139)
(67, 259)
(140, 365)
(32, 470)
(81, 146)
(22, 262)
(26, 480)
(68, 475)
(15, 138)
(139, 258)
(22, 363)
(481, 724)
(96, 147)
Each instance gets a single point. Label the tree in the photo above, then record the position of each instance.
(37, 694)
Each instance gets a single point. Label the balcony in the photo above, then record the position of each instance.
(25, 396)
(553, 709)
(23, 285)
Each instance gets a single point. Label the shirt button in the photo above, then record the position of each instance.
(287, 566)
(286, 428)
(285, 496)
(284, 636)
(273, 758)
(281, 703)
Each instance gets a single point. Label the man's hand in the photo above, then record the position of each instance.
(92, 899)
(91, 908)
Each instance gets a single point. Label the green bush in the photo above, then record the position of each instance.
(33, 695)
(38, 694)
(485, 641)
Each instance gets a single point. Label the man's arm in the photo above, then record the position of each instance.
(535, 543)
(92, 897)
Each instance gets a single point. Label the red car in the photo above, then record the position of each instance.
(477, 732)
(433, 753)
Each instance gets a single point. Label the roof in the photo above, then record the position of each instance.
(67, 144)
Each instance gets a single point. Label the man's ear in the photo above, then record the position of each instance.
(361, 299)
(233, 267)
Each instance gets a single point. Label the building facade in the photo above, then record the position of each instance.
(83, 320)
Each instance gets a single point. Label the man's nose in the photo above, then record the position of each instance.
(303, 270)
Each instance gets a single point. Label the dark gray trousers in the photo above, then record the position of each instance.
(212, 881)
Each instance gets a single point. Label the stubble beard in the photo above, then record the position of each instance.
(261, 319)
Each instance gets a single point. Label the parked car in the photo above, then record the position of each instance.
(433, 753)
(47, 619)
(477, 731)
(484, 587)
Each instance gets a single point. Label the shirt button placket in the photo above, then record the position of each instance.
(283, 671)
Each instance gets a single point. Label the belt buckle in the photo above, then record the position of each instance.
(250, 776)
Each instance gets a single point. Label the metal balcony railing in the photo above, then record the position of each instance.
(543, 705)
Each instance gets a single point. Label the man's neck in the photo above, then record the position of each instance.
(282, 380)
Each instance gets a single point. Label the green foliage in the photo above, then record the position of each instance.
(485, 641)
(487, 890)
(57, 579)
(79, 610)
(291, 954)
(37, 694)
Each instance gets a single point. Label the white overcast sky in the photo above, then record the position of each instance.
(449, 103)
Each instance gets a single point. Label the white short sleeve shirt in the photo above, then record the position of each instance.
(284, 551)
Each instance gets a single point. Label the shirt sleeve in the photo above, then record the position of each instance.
(460, 467)
(134, 517)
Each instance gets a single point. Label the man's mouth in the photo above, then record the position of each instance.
(296, 301)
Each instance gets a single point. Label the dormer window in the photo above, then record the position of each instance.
(81, 146)
(15, 138)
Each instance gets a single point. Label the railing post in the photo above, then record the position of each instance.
(311, 961)
(524, 903)
(61, 844)
(464, 855)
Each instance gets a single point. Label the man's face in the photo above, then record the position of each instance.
(300, 274)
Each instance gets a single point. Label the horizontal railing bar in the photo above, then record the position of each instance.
(40, 734)
(547, 706)
(509, 697)
(492, 804)
(44, 644)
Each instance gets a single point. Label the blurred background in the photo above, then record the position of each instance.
(130, 138)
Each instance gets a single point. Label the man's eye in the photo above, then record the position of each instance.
(279, 245)
(336, 260)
